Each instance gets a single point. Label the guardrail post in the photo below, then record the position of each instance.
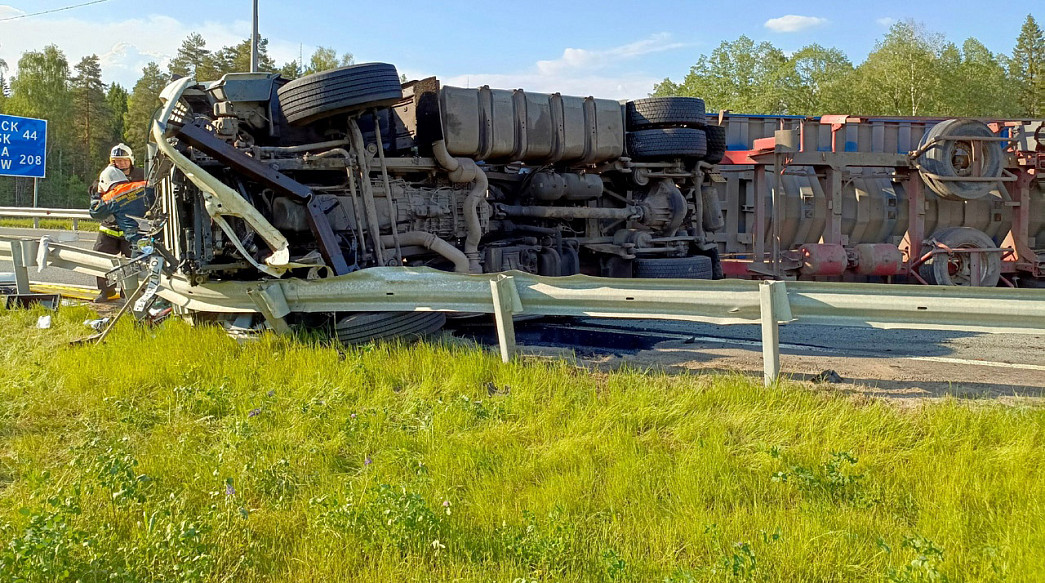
(775, 309)
(76, 224)
(21, 272)
(505, 303)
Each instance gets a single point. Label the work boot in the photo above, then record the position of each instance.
(104, 296)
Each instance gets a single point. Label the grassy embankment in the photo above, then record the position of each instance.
(56, 224)
(178, 455)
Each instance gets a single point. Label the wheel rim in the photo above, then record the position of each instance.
(959, 267)
(961, 159)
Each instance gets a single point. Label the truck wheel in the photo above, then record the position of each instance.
(956, 158)
(665, 111)
(696, 267)
(667, 143)
(956, 268)
(337, 91)
(716, 138)
(366, 326)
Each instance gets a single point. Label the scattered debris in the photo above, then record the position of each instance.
(49, 301)
(97, 324)
(828, 376)
(43, 322)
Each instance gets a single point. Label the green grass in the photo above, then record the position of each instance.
(176, 454)
(56, 224)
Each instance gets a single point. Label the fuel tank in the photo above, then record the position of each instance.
(500, 125)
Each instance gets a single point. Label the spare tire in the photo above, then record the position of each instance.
(665, 111)
(955, 158)
(716, 138)
(697, 267)
(667, 143)
(337, 91)
(956, 268)
(363, 327)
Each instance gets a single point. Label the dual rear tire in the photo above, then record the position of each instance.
(672, 127)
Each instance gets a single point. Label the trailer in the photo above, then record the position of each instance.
(916, 200)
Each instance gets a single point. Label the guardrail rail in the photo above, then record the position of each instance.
(769, 303)
(37, 213)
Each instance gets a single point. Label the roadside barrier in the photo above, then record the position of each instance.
(37, 213)
(769, 303)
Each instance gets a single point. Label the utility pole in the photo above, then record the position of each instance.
(254, 42)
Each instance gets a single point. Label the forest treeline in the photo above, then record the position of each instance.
(911, 71)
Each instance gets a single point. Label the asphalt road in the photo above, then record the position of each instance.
(896, 363)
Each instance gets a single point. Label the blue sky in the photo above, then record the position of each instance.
(606, 48)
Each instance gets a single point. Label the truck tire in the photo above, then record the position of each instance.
(363, 327)
(716, 139)
(667, 143)
(955, 268)
(665, 111)
(952, 158)
(353, 88)
(696, 267)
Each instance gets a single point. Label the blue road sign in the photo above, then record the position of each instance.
(23, 146)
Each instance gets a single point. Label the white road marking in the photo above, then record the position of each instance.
(976, 362)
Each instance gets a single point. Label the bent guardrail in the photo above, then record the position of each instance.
(985, 310)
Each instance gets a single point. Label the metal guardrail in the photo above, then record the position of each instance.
(37, 213)
(986, 310)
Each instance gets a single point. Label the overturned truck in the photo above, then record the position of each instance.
(349, 169)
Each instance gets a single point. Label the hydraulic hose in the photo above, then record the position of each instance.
(430, 241)
(465, 170)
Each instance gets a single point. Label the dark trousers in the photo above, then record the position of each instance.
(113, 246)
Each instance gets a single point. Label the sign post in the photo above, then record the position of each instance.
(23, 148)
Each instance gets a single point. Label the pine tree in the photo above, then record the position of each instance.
(236, 59)
(141, 106)
(92, 117)
(193, 59)
(1027, 69)
(291, 70)
(116, 99)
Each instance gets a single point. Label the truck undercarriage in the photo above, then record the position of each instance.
(349, 169)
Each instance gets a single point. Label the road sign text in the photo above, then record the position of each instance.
(23, 146)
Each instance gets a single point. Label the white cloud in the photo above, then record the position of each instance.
(886, 21)
(587, 60)
(125, 47)
(9, 11)
(794, 23)
(604, 73)
(139, 41)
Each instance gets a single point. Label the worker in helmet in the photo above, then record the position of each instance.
(111, 237)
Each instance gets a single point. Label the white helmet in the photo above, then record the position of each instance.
(121, 150)
(109, 177)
